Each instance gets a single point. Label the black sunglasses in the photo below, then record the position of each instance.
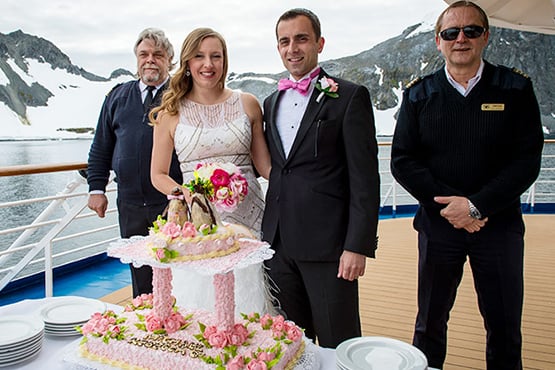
(470, 32)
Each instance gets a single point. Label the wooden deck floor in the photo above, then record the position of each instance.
(388, 297)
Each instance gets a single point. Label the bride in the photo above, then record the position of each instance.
(206, 122)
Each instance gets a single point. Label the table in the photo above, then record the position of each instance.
(50, 357)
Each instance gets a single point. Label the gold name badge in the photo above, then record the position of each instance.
(493, 107)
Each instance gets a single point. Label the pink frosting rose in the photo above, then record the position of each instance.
(238, 335)
(115, 331)
(278, 324)
(209, 330)
(174, 322)
(171, 229)
(266, 321)
(293, 332)
(160, 255)
(266, 356)
(257, 365)
(236, 363)
(218, 340)
(152, 322)
(189, 230)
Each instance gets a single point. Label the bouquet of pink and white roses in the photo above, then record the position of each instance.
(222, 183)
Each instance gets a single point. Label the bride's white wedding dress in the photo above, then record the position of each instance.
(221, 133)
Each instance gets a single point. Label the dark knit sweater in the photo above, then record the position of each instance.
(123, 142)
(485, 146)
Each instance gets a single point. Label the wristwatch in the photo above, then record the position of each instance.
(473, 211)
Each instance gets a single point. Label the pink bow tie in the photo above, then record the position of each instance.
(301, 86)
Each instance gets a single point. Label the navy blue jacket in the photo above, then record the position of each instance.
(486, 146)
(123, 143)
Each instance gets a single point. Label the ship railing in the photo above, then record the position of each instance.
(20, 256)
(50, 228)
(394, 195)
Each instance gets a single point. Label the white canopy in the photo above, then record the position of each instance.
(524, 15)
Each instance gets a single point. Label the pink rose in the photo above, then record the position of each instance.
(257, 365)
(333, 85)
(238, 335)
(137, 301)
(266, 321)
(236, 363)
(189, 230)
(209, 330)
(293, 332)
(218, 340)
(278, 325)
(171, 229)
(240, 329)
(239, 185)
(222, 193)
(115, 331)
(266, 356)
(174, 322)
(152, 322)
(219, 178)
(227, 205)
(160, 254)
(204, 229)
(87, 328)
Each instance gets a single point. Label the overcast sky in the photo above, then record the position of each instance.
(98, 35)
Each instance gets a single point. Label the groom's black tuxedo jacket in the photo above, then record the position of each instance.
(324, 197)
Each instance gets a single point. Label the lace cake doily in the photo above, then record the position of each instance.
(309, 360)
(134, 250)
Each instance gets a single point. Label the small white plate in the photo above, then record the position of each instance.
(22, 359)
(71, 310)
(16, 329)
(379, 353)
(21, 353)
(21, 347)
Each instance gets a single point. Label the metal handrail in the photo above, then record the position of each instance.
(72, 213)
(392, 195)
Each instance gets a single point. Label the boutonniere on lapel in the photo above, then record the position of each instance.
(327, 86)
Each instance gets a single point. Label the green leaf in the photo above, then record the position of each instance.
(141, 326)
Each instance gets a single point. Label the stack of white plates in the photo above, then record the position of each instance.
(379, 353)
(63, 314)
(20, 338)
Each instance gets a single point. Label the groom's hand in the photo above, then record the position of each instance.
(351, 265)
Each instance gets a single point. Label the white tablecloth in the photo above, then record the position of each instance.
(53, 348)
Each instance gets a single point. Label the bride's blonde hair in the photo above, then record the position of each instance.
(180, 82)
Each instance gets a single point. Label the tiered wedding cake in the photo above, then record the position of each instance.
(152, 333)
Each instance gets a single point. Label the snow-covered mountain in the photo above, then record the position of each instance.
(43, 95)
(75, 104)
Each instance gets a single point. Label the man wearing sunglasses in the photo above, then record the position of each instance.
(467, 144)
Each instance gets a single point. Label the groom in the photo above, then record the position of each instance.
(322, 202)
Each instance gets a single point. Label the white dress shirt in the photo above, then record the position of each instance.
(291, 108)
(471, 83)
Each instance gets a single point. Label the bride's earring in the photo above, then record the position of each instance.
(187, 73)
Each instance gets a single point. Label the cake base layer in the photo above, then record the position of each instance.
(131, 340)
